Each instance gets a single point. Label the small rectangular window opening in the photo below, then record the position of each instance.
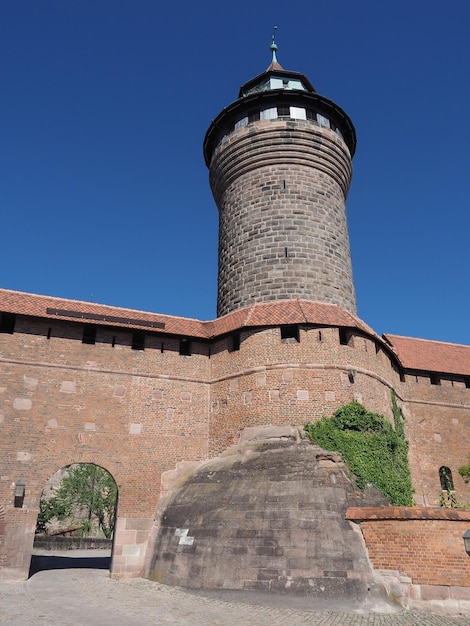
(345, 337)
(7, 323)
(235, 342)
(467, 383)
(290, 333)
(402, 377)
(49, 332)
(138, 341)
(253, 116)
(319, 336)
(113, 343)
(283, 111)
(185, 347)
(435, 380)
(89, 334)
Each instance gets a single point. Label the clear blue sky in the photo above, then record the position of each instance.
(104, 193)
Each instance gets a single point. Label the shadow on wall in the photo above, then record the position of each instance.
(46, 562)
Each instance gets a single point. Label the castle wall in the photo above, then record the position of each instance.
(438, 431)
(135, 413)
(138, 413)
(275, 381)
(418, 554)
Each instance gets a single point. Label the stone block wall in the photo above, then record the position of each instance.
(280, 186)
(267, 514)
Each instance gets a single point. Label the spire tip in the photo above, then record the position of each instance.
(273, 46)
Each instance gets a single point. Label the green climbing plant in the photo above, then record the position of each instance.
(373, 449)
(464, 471)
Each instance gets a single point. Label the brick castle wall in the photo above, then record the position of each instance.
(424, 545)
(140, 413)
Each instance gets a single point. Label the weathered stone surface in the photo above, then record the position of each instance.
(270, 516)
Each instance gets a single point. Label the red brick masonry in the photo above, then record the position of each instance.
(422, 543)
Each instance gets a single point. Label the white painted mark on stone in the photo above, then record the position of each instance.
(184, 540)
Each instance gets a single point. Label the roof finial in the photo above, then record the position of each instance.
(273, 46)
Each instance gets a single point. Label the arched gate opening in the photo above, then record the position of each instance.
(76, 519)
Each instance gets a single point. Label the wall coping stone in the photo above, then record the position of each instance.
(367, 514)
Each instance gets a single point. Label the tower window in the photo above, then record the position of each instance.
(290, 333)
(138, 341)
(253, 116)
(323, 121)
(7, 323)
(283, 111)
(185, 347)
(435, 380)
(89, 334)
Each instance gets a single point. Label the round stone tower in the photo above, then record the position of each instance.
(280, 167)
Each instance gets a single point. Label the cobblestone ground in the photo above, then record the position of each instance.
(79, 597)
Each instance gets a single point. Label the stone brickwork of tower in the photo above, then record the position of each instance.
(279, 159)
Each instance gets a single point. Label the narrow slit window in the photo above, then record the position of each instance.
(138, 341)
(7, 323)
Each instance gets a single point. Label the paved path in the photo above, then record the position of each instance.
(88, 597)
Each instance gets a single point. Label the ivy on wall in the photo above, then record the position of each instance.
(374, 450)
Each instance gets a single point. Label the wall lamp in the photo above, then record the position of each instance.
(20, 489)
(466, 541)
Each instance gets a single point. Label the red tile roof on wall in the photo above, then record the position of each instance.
(433, 356)
(264, 314)
(417, 354)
